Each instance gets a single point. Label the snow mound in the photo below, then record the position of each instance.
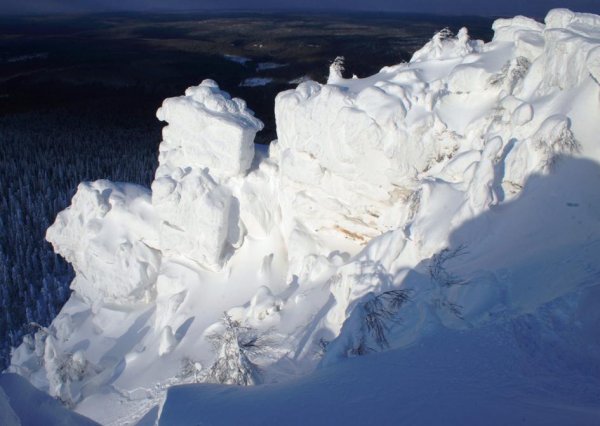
(476, 374)
(109, 235)
(436, 199)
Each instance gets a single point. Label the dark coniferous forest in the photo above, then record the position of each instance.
(42, 164)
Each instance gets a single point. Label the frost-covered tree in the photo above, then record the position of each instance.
(511, 74)
(443, 34)
(64, 373)
(234, 348)
(375, 317)
(336, 70)
(191, 371)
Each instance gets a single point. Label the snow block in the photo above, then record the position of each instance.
(195, 216)
(207, 128)
(569, 41)
(209, 139)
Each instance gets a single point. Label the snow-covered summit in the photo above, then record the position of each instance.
(452, 192)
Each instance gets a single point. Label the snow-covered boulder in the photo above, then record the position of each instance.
(208, 140)
(195, 215)
(109, 235)
(337, 157)
(207, 128)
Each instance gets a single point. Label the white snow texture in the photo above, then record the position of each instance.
(454, 193)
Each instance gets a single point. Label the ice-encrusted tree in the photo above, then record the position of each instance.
(234, 348)
(64, 373)
(191, 371)
(511, 74)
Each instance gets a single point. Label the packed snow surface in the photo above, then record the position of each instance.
(446, 208)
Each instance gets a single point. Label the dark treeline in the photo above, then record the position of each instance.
(44, 155)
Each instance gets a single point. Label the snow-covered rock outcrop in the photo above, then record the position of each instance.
(207, 129)
(455, 191)
(109, 235)
(210, 138)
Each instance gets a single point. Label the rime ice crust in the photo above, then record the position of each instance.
(423, 177)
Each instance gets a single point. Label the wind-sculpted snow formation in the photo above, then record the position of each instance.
(453, 192)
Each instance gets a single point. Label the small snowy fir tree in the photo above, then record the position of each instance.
(191, 371)
(64, 373)
(234, 348)
(511, 74)
(336, 70)
(444, 34)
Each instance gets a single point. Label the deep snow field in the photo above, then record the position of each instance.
(417, 247)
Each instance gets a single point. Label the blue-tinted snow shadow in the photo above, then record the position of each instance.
(183, 328)
(113, 358)
(34, 407)
(509, 370)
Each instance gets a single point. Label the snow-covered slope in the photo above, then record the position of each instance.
(452, 194)
(23, 405)
(452, 378)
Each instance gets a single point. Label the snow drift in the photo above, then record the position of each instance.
(454, 193)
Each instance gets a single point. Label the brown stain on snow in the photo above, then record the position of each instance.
(351, 235)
